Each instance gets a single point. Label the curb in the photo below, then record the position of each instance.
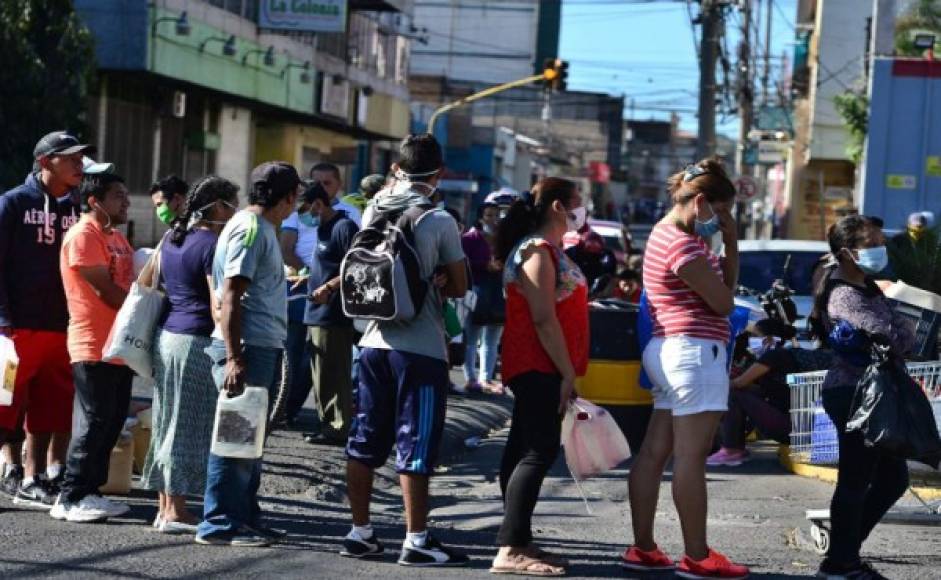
(472, 415)
(829, 474)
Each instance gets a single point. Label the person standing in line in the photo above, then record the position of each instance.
(248, 343)
(403, 377)
(690, 297)
(331, 331)
(484, 327)
(168, 196)
(328, 175)
(869, 481)
(33, 220)
(97, 266)
(184, 399)
(545, 349)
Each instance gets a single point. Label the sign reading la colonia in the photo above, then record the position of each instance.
(303, 15)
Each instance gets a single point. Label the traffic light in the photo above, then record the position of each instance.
(555, 72)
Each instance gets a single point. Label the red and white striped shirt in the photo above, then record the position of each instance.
(675, 308)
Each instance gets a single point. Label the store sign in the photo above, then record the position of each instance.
(335, 97)
(303, 15)
(772, 152)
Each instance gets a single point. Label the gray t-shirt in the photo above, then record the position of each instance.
(438, 243)
(248, 248)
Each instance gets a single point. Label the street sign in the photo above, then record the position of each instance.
(747, 187)
(772, 152)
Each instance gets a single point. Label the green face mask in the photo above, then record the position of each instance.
(165, 214)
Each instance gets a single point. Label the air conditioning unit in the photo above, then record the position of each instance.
(179, 104)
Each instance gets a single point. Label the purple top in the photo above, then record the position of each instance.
(865, 309)
(183, 271)
(478, 252)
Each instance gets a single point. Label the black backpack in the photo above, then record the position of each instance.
(380, 277)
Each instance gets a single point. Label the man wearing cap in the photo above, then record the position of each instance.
(33, 312)
(248, 343)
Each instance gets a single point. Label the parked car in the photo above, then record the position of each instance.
(616, 238)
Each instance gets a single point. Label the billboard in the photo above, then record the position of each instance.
(303, 15)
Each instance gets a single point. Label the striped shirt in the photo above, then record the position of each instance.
(675, 308)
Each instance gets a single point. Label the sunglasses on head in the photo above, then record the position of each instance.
(692, 172)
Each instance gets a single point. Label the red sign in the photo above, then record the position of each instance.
(599, 172)
(747, 187)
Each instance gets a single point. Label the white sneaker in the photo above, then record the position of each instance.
(112, 508)
(85, 511)
(158, 521)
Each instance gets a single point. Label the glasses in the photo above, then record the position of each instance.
(692, 172)
(229, 204)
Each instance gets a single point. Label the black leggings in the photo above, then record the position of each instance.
(868, 484)
(531, 449)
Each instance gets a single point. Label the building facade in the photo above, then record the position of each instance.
(192, 87)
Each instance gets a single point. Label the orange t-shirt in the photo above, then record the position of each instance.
(86, 244)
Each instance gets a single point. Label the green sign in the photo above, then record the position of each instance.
(901, 181)
(933, 166)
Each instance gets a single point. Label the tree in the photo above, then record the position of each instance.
(853, 107)
(48, 65)
(919, 15)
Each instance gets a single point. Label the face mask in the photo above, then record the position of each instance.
(309, 220)
(488, 229)
(165, 214)
(575, 219)
(708, 228)
(916, 233)
(872, 260)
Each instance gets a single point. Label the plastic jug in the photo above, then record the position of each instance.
(239, 429)
(9, 362)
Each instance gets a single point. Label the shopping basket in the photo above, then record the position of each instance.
(814, 442)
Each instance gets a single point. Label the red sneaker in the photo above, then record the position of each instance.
(714, 566)
(655, 560)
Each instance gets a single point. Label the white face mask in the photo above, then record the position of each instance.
(576, 218)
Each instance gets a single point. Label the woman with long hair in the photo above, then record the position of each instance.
(690, 293)
(545, 347)
(184, 393)
(869, 481)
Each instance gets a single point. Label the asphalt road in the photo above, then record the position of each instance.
(754, 513)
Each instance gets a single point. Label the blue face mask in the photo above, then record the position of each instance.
(872, 260)
(708, 228)
(309, 220)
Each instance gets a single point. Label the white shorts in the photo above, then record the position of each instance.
(689, 375)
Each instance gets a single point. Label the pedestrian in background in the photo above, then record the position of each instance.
(97, 265)
(544, 350)
(168, 196)
(328, 175)
(869, 481)
(331, 331)
(403, 386)
(248, 343)
(184, 398)
(33, 220)
(690, 297)
(484, 327)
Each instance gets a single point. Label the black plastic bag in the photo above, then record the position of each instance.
(892, 412)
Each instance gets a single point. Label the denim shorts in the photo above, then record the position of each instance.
(689, 375)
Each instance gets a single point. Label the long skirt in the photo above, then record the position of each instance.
(183, 413)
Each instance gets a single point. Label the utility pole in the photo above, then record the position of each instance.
(711, 20)
(746, 92)
(766, 75)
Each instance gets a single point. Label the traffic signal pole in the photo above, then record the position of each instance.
(555, 75)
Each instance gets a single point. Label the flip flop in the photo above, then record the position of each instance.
(522, 565)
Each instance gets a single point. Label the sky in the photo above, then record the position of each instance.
(645, 50)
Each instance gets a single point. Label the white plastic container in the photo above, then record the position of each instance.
(9, 362)
(239, 429)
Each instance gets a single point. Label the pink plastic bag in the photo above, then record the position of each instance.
(592, 440)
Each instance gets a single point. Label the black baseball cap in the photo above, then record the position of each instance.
(60, 143)
(316, 191)
(278, 176)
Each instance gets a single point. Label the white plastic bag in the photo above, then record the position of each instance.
(239, 429)
(9, 362)
(135, 325)
(592, 440)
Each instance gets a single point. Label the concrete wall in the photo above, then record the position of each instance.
(234, 159)
(839, 46)
(486, 40)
